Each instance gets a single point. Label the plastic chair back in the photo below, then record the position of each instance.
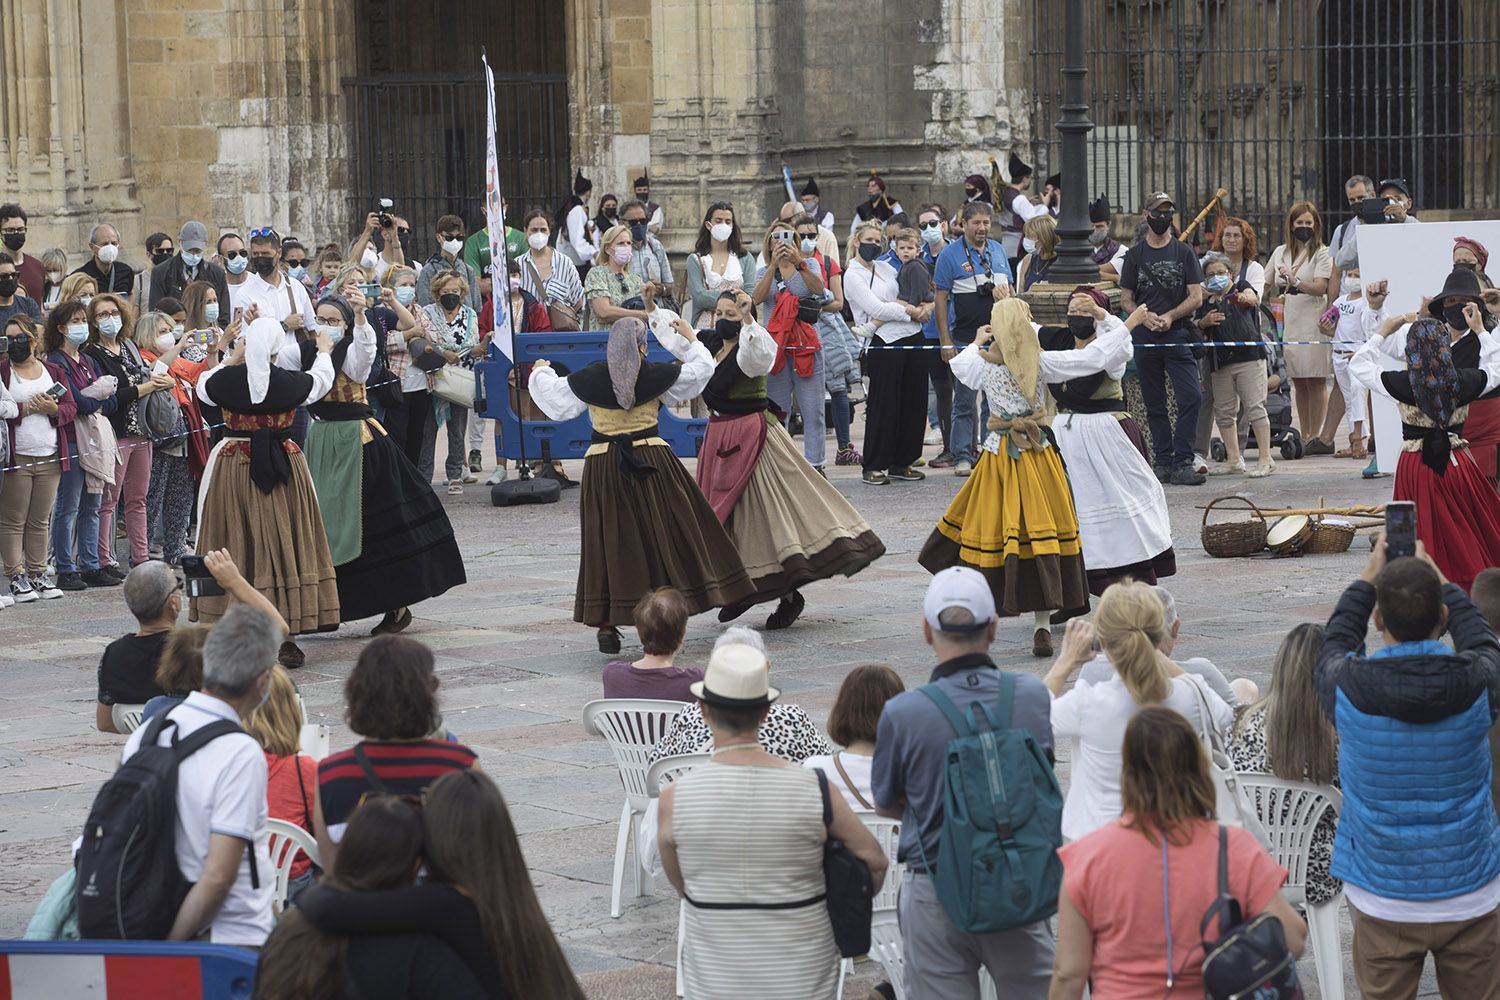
(632, 727)
(287, 840)
(1289, 812)
(668, 769)
(127, 718)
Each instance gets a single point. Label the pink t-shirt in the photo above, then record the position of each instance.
(1113, 878)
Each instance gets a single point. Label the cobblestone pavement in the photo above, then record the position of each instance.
(516, 672)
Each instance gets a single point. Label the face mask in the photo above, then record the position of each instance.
(85, 300)
(537, 240)
(609, 211)
(808, 246)
(449, 300)
(20, 348)
(164, 343)
(811, 208)
(108, 253)
(335, 331)
(1303, 233)
(192, 258)
(452, 247)
(515, 283)
(638, 231)
(1349, 285)
(721, 231)
(622, 254)
(77, 333)
(869, 251)
(54, 277)
(1028, 244)
(1217, 284)
(8, 285)
(1081, 327)
(932, 234)
(643, 194)
(1159, 223)
(211, 312)
(162, 256)
(263, 266)
(297, 272)
(109, 327)
(1454, 317)
(15, 241)
(970, 194)
(1098, 236)
(1467, 265)
(236, 265)
(406, 294)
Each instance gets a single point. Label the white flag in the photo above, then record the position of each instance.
(500, 299)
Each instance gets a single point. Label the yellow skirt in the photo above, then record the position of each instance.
(1014, 521)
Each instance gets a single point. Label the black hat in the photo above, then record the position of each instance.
(810, 188)
(1461, 283)
(1017, 168)
(581, 184)
(1399, 183)
(1055, 180)
(642, 181)
(1099, 209)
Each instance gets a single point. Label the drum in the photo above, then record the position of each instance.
(1287, 535)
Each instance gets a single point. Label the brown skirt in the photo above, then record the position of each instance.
(791, 526)
(276, 539)
(655, 531)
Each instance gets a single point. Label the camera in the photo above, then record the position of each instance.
(1371, 211)
(384, 210)
(985, 289)
(784, 236)
(197, 581)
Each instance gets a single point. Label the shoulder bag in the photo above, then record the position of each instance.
(850, 890)
(1230, 807)
(1249, 958)
(844, 776)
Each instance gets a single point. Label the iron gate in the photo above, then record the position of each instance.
(1278, 101)
(419, 140)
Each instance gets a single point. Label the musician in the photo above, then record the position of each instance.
(1015, 208)
(878, 208)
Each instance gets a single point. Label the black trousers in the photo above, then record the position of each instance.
(896, 408)
(941, 377)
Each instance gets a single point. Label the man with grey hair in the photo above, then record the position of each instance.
(1343, 245)
(127, 670)
(221, 789)
(110, 274)
(170, 278)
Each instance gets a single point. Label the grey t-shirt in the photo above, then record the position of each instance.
(1098, 670)
(911, 744)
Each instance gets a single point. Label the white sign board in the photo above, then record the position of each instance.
(1416, 261)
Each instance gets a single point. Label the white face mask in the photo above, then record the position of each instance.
(108, 253)
(537, 241)
(55, 277)
(452, 246)
(335, 331)
(1350, 285)
(721, 231)
(164, 343)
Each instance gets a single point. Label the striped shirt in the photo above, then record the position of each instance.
(405, 768)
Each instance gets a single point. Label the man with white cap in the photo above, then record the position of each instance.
(173, 275)
(911, 748)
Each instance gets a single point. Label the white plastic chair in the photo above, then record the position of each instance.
(286, 841)
(887, 833)
(631, 727)
(127, 718)
(1289, 812)
(315, 740)
(659, 776)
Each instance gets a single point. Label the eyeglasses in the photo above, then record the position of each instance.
(267, 231)
(101, 314)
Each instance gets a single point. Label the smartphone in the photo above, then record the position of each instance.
(197, 581)
(201, 337)
(160, 368)
(1400, 529)
(371, 291)
(1330, 316)
(57, 390)
(784, 236)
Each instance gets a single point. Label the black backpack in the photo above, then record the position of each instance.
(129, 884)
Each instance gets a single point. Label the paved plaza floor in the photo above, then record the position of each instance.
(516, 671)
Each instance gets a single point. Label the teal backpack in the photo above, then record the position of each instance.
(997, 864)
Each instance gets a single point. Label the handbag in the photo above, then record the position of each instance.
(563, 317)
(455, 384)
(1249, 959)
(849, 888)
(1229, 807)
(425, 354)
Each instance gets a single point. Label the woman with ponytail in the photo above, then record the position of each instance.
(1128, 626)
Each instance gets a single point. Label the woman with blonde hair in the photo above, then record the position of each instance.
(1039, 239)
(77, 286)
(291, 776)
(1129, 625)
(1014, 520)
(613, 291)
(457, 325)
(1297, 278)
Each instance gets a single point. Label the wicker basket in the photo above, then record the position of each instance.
(1329, 537)
(1238, 538)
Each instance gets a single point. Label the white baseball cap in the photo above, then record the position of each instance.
(959, 587)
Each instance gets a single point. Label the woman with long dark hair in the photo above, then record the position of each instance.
(577, 237)
(719, 262)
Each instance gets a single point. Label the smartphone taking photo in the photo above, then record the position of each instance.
(197, 581)
(1400, 529)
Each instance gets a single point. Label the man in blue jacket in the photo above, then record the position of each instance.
(1418, 844)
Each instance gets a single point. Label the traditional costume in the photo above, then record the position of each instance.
(821, 215)
(388, 535)
(257, 498)
(787, 521)
(1106, 246)
(877, 208)
(1015, 210)
(1014, 519)
(1458, 510)
(1483, 426)
(645, 522)
(1122, 509)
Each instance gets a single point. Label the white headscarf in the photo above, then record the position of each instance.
(263, 339)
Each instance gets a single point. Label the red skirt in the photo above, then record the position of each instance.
(1458, 514)
(1482, 429)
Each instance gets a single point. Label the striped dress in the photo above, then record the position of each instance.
(753, 835)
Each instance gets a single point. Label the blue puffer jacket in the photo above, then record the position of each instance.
(1418, 821)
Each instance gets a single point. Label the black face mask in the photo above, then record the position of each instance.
(1303, 233)
(1467, 265)
(970, 194)
(8, 285)
(869, 251)
(643, 196)
(1159, 223)
(449, 300)
(1454, 317)
(609, 211)
(161, 256)
(15, 241)
(1081, 327)
(19, 349)
(727, 329)
(263, 266)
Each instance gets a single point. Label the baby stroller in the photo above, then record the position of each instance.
(1278, 405)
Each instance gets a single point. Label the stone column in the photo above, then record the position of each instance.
(979, 109)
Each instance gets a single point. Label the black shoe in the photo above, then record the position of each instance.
(114, 570)
(609, 639)
(787, 612)
(71, 581)
(1184, 475)
(476, 461)
(290, 655)
(393, 622)
(99, 578)
(1163, 473)
(549, 472)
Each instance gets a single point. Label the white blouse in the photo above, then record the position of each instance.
(871, 292)
(1108, 352)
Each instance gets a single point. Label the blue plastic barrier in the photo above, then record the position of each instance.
(125, 970)
(567, 438)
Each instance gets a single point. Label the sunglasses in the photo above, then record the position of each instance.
(268, 231)
(233, 254)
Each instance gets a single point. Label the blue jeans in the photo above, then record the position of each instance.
(1172, 446)
(75, 519)
(783, 385)
(838, 405)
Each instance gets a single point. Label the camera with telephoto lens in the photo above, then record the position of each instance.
(386, 221)
(1371, 211)
(985, 289)
(197, 580)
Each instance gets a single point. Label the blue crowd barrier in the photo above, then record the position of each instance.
(566, 438)
(52, 970)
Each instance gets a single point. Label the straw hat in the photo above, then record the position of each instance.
(738, 676)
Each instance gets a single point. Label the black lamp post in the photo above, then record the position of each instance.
(1075, 263)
